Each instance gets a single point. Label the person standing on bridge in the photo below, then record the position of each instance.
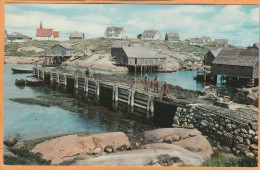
(156, 84)
(146, 81)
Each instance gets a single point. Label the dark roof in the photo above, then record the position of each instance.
(17, 36)
(238, 57)
(150, 32)
(117, 30)
(215, 52)
(77, 34)
(119, 44)
(196, 40)
(221, 41)
(172, 34)
(64, 45)
(140, 52)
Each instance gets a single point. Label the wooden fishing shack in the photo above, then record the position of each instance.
(238, 65)
(140, 59)
(59, 53)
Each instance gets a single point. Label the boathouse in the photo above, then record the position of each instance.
(77, 36)
(237, 63)
(171, 36)
(62, 49)
(151, 35)
(138, 57)
(196, 41)
(115, 33)
(210, 56)
(116, 47)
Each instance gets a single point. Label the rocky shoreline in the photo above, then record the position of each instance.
(159, 147)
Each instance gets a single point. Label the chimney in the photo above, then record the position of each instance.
(41, 25)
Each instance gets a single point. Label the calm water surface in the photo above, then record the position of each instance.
(34, 121)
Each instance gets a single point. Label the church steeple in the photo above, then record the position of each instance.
(41, 25)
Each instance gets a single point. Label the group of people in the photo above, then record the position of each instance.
(155, 83)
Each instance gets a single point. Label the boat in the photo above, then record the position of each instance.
(165, 70)
(32, 81)
(21, 70)
(20, 82)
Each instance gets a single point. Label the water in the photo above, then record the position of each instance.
(35, 121)
(184, 79)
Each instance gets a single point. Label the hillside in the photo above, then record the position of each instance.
(96, 52)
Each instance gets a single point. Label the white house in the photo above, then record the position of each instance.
(151, 35)
(115, 32)
(17, 38)
(46, 34)
(196, 41)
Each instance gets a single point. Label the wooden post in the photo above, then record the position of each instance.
(58, 78)
(115, 93)
(38, 73)
(152, 105)
(148, 102)
(51, 77)
(132, 102)
(76, 82)
(97, 88)
(129, 96)
(65, 79)
(43, 76)
(86, 85)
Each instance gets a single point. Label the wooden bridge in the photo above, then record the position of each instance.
(146, 103)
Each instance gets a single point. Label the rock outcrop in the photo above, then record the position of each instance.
(171, 155)
(247, 96)
(69, 147)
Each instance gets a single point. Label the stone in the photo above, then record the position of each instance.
(249, 154)
(158, 135)
(243, 130)
(10, 141)
(229, 126)
(97, 151)
(221, 128)
(147, 157)
(109, 149)
(204, 123)
(254, 146)
(242, 147)
(66, 148)
(254, 126)
(239, 138)
(190, 126)
(177, 114)
(184, 125)
(247, 141)
(251, 132)
(217, 126)
(255, 139)
(227, 121)
(176, 118)
(176, 122)
(198, 144)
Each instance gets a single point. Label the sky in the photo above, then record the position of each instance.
(238, 23)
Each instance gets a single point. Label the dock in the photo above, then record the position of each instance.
(220, 124)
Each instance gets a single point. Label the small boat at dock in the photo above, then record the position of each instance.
(32, 81)
(20, 82)
(165, 70)
(21, 70)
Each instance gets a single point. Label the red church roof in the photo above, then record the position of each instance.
(43, 32)
(56, 34)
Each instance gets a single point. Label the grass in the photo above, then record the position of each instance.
(230, 161)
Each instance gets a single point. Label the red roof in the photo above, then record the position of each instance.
(18, 33)
(55, 34)
(44, 32)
